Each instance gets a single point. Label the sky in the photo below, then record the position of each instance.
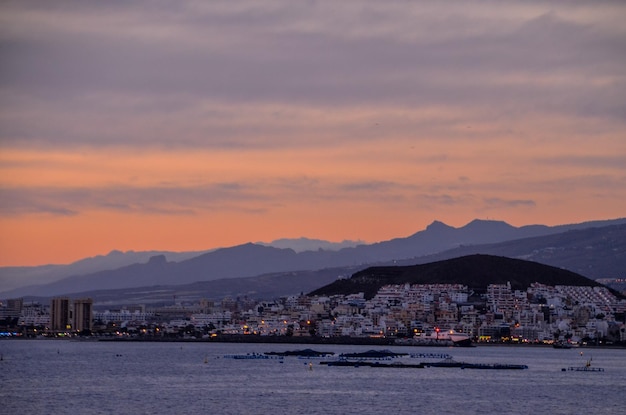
(191, 125)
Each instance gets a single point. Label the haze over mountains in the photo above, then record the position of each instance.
(17, 277)
(594, 249)
(307, 244)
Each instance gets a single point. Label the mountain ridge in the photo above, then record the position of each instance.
(250, 259)
(304, 244)
(274, 285)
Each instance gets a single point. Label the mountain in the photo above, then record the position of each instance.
(306, 244)
(239, 261)
(16, 277)
(250, 260)
(266, 286)
(474, 271)
(439, 237)
(598, 252)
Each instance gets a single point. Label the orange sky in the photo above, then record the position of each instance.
(146, 132)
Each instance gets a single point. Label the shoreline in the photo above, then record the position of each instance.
(251, 339)
(242, 338)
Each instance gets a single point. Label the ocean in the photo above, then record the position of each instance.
(90, 377)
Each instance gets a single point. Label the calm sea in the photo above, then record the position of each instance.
(70, 377)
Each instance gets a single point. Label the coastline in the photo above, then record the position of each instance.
(372, 341)
(242, 338)
(345, 340)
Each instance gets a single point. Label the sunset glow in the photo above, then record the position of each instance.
(202, 125)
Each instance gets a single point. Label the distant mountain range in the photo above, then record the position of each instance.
(16, 277)
(595, 249)
(597, 252)
(306, 244)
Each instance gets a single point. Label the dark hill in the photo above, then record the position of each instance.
(475, 271)
(596, 252)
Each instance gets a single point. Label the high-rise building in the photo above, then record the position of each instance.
(15, 306)
(83, 314)
(60, 314)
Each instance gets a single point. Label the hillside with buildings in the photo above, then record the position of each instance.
(474, 271)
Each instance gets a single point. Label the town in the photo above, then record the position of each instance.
(544, 314)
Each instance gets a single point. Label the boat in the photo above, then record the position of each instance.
(562, 345)
(442, 338)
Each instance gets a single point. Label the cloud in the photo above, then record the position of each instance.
(497, 203)
(250, 196)
(192, 75)
(589, 161)
(369, 186)
(277, 116)
(164, 200)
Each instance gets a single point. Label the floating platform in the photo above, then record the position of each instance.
(583, 369)
(251, 356)
(447, 362)
(431, 356)
(586, 368)
(354, 363)
(301, 353)
(496, 366)
(373, 354)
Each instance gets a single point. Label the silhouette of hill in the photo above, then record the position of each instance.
(599, 252)
(267, 286)
(474, 271)
(17, 277)
(307, 244)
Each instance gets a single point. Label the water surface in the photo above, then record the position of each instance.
(72, 377)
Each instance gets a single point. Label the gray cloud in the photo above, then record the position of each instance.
(169, 200)
(496, 202)
(435, 200)
(370, 186)
(194, 74)
(607, 161)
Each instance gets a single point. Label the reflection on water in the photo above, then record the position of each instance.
(60, 376)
